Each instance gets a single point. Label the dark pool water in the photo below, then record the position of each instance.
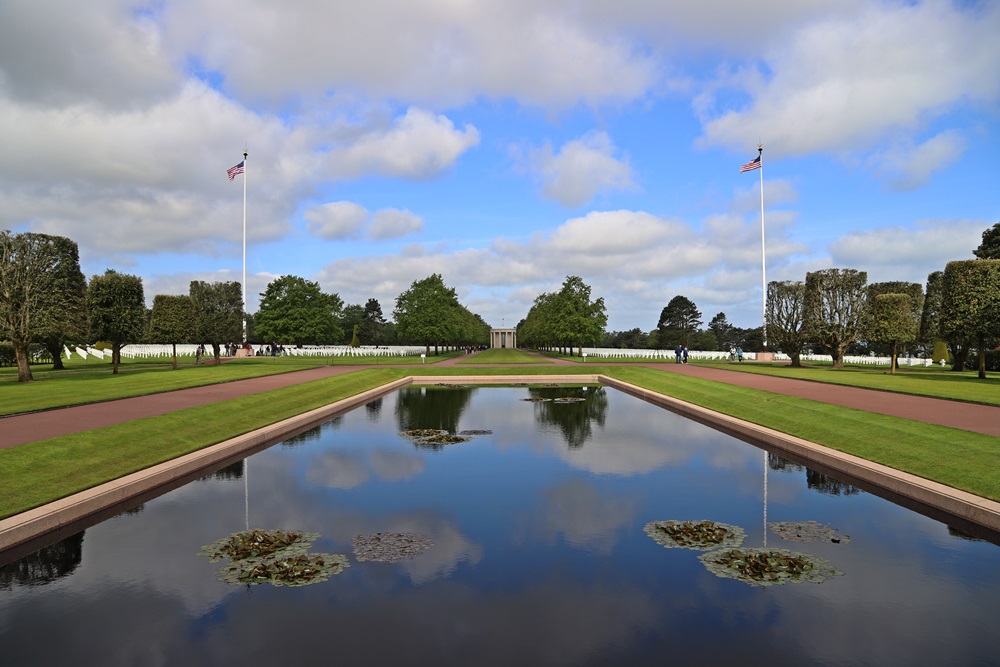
(539, 556)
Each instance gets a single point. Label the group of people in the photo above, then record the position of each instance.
(681, 354)
(735, 353)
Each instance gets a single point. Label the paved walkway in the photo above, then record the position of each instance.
(21, 429)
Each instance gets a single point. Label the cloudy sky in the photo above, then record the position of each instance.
(505, 144)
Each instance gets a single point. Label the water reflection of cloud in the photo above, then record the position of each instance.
(585, 516)
(349, 469)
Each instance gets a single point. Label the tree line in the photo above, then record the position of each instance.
(46, 303)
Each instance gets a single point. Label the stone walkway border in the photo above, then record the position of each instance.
(72, 513)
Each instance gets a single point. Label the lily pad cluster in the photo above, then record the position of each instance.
(536, 399)
(723, 556)
(699, 535)
(808, 531)
(437, 436)
(768, 567)
(569, 399)
(276, 557)
(390, 547)
(433, 436)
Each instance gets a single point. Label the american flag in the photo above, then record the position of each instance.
(233, 171)
(749, 166)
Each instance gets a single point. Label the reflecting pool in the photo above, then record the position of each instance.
(531, 542)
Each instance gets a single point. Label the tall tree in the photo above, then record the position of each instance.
(890, 320)
(117, 311)
(351, 316)
(834, 309)
(990, 247)
(428, 313)
(930, 323)
(63, 318)
(889, 324)
(218, 313)
(971, 303)
(722, 329)
(42, 295)
(579, 320)
(372, 323)
(295, 310)
(679, 320)
(786, 317)
(172, 321)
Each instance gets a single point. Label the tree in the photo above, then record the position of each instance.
(42, 294)
(722, 329)
(117, 311)
(295, 310)
(351, 316)
(372, 323)
(63, 318)
(878, 327)
(891, 320)
(971, 303)
(218, 313)
(990, 247)
(565, 318)
(428, 312)
(786, 317)
(578, 319)
(172, 321)
(930, 324)
(678, 321)
(834, 309)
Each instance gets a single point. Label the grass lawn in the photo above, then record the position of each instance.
(36, 473)
(83, 382)
(502, 355)
(934, 382)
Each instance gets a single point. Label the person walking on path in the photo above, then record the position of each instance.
(739, 354)
(677, 354)
(685, 354)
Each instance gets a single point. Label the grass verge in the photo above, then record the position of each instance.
(40, 472)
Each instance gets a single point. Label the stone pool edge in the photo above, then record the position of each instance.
(36, 523)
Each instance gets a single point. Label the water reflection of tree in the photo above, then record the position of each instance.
(313, 434)
(574, 420)
(781, 464)
(373, 409)
(826, 484)
(45, 565)
(233, 471)
(432, 407)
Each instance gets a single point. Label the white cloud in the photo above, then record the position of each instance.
(336, 220)
(908, 253)
(907, 167)
(839, 85)
(418, 145)
(581, 169)
(344, 219)
(105, 56)
(423, 51)
(391, 223)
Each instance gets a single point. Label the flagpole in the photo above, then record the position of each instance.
(244, 318)
(763, 254)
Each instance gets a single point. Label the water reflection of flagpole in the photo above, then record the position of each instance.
(765, 498)
(246, 489)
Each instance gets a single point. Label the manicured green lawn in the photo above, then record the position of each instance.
(934, 382)
(89, 383)
(500, 355)
(36, 473)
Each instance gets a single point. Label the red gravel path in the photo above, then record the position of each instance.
(21, 429)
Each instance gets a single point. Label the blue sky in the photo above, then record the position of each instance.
(505, 144)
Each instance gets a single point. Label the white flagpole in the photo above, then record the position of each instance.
(244, 318)
(763, 255)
